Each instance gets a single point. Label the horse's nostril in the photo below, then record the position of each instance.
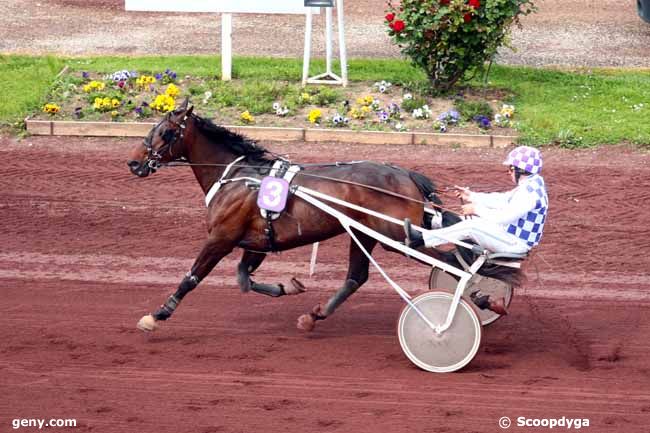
(133, 164)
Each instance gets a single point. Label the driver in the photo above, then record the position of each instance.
(503, 222)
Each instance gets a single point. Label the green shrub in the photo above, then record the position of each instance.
(470, 109)
(446, 38)
(409, 105)
(326, 96)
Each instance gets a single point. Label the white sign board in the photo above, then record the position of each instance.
(225, 6)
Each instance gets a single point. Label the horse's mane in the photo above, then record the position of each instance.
(235, 142)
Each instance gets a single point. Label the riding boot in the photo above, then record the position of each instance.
(413, 238)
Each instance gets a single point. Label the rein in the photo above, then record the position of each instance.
(445, 191)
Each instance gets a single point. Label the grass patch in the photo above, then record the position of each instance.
(25, 82)
(568, 108)
(578, 109)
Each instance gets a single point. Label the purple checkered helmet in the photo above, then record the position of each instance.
(525, 158)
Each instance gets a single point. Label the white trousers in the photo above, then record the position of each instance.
(490, 236)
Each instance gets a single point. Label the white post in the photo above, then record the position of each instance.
(342, 51)
(226, 47)
(328, 40)
(307, 54)
(328, 77)
(312, 262)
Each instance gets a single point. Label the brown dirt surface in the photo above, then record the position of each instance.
(564, 32)
(88, 248)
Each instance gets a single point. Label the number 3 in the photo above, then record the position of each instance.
(273, 194)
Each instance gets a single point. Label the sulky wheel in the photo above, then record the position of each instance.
(440, 279)
(445, 352)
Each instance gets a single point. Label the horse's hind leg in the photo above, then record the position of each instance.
(213, 251)
(357, 276)
(249, 262)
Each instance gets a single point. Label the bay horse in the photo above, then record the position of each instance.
(234, 220)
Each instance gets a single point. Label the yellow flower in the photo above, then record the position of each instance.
(115, 103)
(145, 80)
(305, 97)
(315, 116)
(368, 100)
(357, 113)
(366, 109)
(163, 103)
(51, 109)
(114, 113)
(94, 86)
(246, 117)
(172, 90)
(508, 111)
(361, 101)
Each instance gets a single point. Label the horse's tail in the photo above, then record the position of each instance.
(428, 190)
(425, 185)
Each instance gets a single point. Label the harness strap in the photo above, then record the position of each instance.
(217, 185)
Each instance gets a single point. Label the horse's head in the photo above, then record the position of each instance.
(163, 144)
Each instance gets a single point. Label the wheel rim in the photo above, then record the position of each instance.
(439, 353)
(440, 279)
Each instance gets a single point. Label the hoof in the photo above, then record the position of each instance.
(499, 306)
(306, 323)
(147, 323)
(296, 287)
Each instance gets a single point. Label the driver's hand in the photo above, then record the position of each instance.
(468, 209)
(462, 193)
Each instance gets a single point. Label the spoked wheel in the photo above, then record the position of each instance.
(440, 279)
(440, 353)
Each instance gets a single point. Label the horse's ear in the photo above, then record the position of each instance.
(189, 110)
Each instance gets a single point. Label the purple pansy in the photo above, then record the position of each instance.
(482, 121)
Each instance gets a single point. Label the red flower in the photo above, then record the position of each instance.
(390, 17)
(398, 25)
(467, 17)
(444, 2)
(474, 3)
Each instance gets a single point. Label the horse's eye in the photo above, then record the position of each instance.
(168, 135)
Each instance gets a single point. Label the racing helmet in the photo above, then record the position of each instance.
(525, 158)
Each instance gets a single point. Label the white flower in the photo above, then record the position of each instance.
(276, 106)
(207, 95)
(423, 112)
(408, 96)
(382, 86)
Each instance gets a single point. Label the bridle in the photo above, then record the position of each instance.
(171, 136)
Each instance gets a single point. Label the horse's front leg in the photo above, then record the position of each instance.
(250, 261)
(213, 251)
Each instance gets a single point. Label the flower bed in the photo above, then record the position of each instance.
(382, 106)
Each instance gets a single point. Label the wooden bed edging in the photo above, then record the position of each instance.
(140, 129)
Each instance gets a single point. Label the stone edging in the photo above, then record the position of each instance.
(141, 129)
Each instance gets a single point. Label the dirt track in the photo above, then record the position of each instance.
(87, 249)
